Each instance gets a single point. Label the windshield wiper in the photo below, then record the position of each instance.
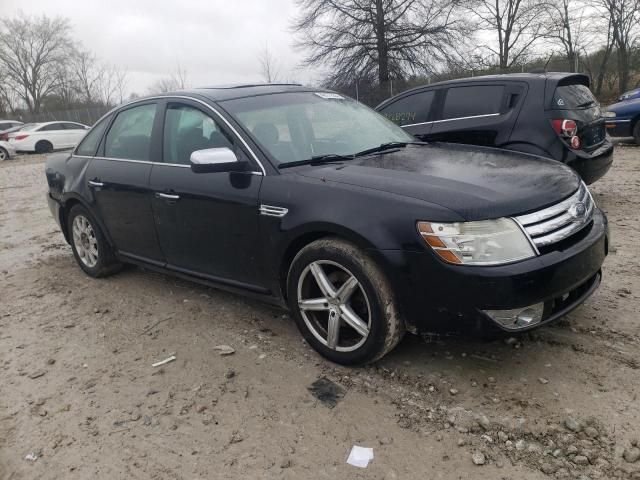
(318, 160)
(335, 157)
(386, 146)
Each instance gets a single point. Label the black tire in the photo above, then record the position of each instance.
(44, 146)
(4, 155)
(636, 132)
(385, 326)
(105, 261)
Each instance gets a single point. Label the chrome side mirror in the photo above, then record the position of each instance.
(216, 160)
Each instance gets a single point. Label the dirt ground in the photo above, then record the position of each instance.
(79, 398)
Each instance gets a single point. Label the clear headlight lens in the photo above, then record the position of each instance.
(487, 242)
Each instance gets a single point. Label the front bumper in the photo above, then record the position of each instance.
(619, 128)
(438, 297)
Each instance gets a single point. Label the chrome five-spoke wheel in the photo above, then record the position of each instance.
(85, 241)
(334, 306)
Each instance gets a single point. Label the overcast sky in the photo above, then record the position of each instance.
(215, 41)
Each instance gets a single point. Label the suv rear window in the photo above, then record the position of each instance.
(472, 101)
(571, 97)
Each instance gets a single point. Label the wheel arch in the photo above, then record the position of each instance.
(308, 235)
(66, 207)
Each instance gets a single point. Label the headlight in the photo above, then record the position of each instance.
(487, 242)
(609, 114)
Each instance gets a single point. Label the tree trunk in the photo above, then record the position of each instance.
(381, 45)
(623, 70)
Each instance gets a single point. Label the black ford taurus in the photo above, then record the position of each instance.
(305, 198)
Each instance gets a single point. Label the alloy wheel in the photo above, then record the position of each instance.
(334, 306)
(85, 241)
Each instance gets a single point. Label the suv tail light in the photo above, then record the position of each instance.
(20, 137)
(568, 129)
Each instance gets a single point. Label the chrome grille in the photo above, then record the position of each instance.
(557, 222)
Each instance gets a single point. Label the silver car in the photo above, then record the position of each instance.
(6, 151)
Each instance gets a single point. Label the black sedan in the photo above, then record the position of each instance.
(306, 198)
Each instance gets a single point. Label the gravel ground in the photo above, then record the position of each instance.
(80, 398)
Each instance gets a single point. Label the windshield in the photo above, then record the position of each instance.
(301, 125)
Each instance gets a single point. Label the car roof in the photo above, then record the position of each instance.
(555, 78)
(228, 92)
(12, 121)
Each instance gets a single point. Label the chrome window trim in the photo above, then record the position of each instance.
(183, 97)
(452, 119)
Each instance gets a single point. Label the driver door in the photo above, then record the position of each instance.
(207, 223)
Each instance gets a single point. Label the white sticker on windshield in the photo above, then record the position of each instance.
(329, 96)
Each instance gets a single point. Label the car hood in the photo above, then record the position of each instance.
(625, 105)
(475, 182)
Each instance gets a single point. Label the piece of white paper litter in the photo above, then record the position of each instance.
(360, 456)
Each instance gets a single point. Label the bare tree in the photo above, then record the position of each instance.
(624, 17)
(596, 61)
(32, 49)
(378, 38)
(177, 80)
(565, 24)
(269, 66)
(111, 85)
(516, 25)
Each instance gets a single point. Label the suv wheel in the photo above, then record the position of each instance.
(90, 248)
(342, 303)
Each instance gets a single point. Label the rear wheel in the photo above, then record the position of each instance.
(342, 303)
(4, 155)
(44, 146)
(90, 248)
(636, 132)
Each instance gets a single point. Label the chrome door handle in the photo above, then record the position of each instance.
(93, 183)
(167, 196)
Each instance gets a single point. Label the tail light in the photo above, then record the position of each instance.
(568, 129)
(20, 137)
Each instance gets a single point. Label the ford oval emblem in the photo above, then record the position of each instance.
(577, 210)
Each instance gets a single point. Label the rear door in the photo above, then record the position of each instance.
(119, 179)
(74, 132)
(413, 112)
(478, 114)
(54, 133)
(207, 223)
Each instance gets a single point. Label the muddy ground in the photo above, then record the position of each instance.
(79, 398)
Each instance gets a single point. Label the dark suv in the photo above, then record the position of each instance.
(553, 115)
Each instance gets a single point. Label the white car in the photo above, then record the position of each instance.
(9, 124)
(46, 137)
(6, 151)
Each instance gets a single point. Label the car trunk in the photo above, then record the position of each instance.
(575, 103)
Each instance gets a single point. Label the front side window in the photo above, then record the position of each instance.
(130, 135)
(89, 144)
(410, 109)
(472, 101)
(301, 125)
(187, 129)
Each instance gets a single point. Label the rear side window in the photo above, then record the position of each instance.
(130, 135)
(72, 126)
(570, 97)
(89, 144)
(472, 101)
(411, 109)
(52, 127)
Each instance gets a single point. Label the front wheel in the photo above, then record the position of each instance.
(343, 303)
(90, 248)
